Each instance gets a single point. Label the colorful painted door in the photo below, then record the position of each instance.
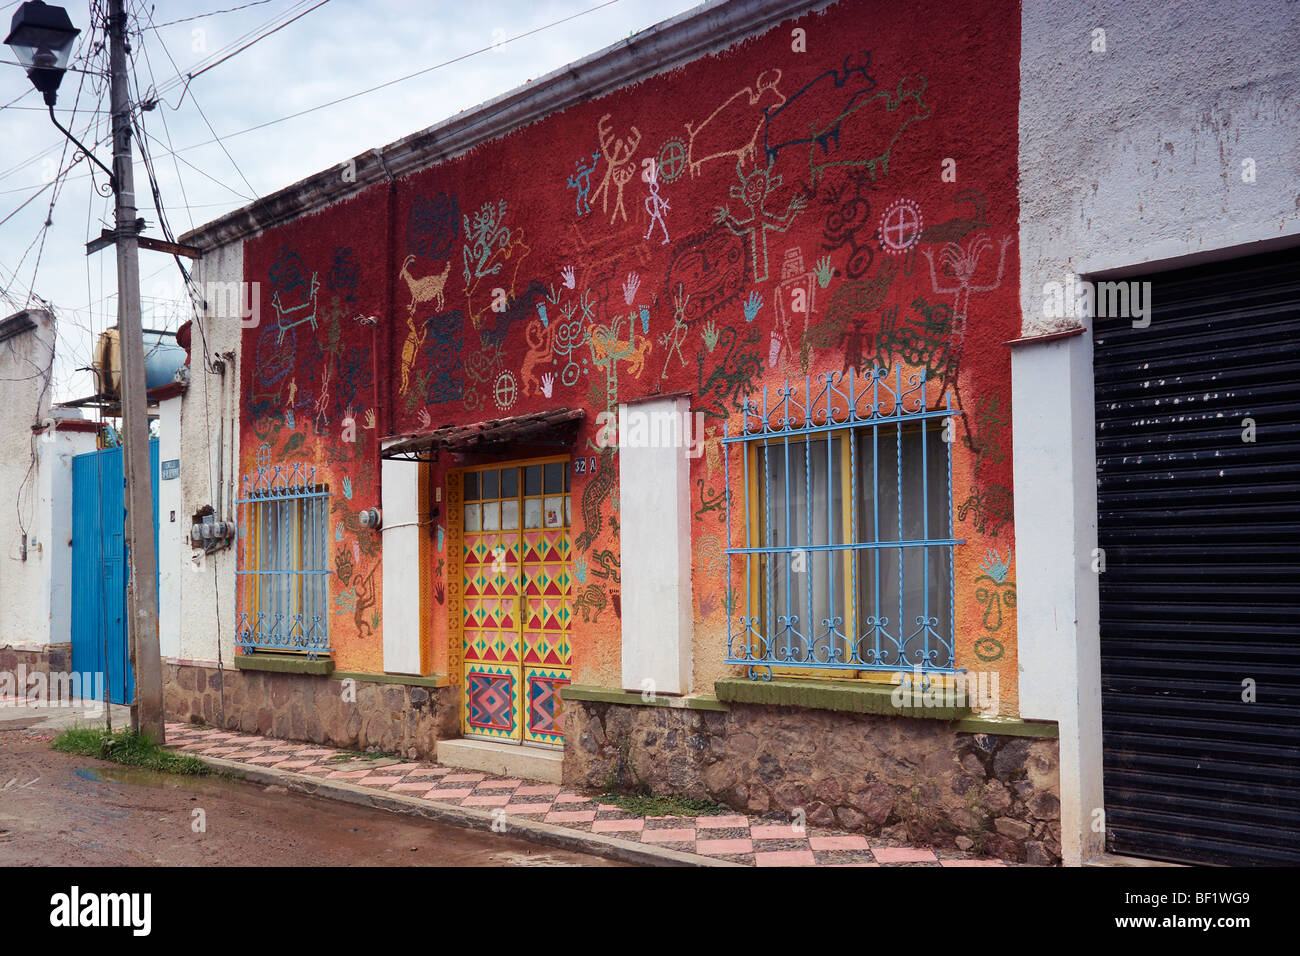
(517, 609)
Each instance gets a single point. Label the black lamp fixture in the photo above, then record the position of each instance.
(41, 37)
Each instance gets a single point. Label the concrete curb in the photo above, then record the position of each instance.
(536, 831)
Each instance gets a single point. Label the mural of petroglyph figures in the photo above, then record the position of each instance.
(865, 133)
(754, 191)
(619, 165)
(813, 113)
(796, 295)
(716, 136)
(961, 265)
(295, 298)
(581, 181)
(490, 244)
(995, 593)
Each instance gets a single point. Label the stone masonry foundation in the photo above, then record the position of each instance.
(395, 718)
(915, 780)
(44, 659)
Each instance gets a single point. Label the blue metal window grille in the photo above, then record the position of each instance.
(847, 564)
(284, 562)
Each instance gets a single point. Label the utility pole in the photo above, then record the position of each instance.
(142, 561)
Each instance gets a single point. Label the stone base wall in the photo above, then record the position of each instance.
(395, 718)
(44, 659)
(914, 780)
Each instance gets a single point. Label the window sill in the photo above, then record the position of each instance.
(408, 680)
(856, 697)
(633, 698)
(284, 664)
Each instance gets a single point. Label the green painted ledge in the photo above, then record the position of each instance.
(284, 664)
(855, 697)
(631, 698)
(863, 698)
(411, 680)
(1006, 727)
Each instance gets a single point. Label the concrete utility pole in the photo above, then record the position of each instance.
(142, 593)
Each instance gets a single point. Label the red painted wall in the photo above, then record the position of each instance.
(857, 126)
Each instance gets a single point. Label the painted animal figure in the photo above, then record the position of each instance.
(989, 508)
(288, 316)
(714, 137)
(865, 133)
(594, 498)
(606, 349)
(425, 288)
(618, 152)
(591, 602)
(810, 115)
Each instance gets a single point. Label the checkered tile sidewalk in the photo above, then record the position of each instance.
(735, 838)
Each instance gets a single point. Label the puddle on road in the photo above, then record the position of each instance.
(151, 778)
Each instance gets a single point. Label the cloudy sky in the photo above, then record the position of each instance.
(342, 48)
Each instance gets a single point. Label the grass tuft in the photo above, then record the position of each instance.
(663, 805)
(126, 747)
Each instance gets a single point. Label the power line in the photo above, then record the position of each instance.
(195, 101)
(402, 79)
(200, 16)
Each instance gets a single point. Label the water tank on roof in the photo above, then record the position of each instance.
(162, 357)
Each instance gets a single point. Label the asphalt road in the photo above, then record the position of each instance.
(62, 810)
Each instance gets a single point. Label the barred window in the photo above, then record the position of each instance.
(846, 517)
(284, 562)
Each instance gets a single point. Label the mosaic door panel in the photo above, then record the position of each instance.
(517, 608)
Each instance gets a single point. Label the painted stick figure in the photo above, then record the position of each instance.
(581, 181)
(656, 206)
(754, 190)
(673, 339)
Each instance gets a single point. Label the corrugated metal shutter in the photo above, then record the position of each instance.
(1201, 590)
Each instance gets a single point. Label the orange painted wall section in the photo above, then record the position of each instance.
(837, 193)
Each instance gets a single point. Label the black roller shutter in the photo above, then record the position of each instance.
(1201, 589)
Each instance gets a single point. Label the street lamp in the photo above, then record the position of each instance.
(42, 38)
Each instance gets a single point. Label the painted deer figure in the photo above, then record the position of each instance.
(425, 288)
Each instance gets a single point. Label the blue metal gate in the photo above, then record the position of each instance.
(99, 568)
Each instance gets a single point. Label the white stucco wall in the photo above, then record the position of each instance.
(25, 362)
(1131, 161)
(209, 454)
(173, 527)
(1134, 155)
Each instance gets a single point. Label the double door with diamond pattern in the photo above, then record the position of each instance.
(517, 607)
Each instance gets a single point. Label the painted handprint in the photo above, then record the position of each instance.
(368, 419)
(630, 285)
(752, 305)
(548, 383)
(824, 271)
(710, 335)
(566, 274)
(425, 420)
